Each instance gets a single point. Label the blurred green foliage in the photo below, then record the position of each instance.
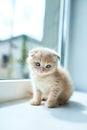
(24, 51)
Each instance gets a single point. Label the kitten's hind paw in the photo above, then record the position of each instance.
(61, 102)
(35, 102)
(51, 104)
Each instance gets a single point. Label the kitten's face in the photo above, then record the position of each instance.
(42, 61)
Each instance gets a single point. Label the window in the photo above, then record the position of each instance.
(24, 25)
(57, 29)
(21, 27)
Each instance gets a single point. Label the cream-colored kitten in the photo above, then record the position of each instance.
(50, 81)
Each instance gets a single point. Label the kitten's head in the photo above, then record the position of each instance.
(43, 61)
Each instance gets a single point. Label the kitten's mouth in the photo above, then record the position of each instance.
(41, 73)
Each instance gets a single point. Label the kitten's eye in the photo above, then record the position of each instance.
(37, 63)
(48, 66)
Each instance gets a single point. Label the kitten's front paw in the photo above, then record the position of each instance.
(51, 103)
(35, 102)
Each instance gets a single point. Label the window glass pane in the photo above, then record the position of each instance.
(25, 24)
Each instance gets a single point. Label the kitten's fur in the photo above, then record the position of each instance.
(52, 83)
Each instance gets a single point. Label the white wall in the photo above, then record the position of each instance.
(77, 54)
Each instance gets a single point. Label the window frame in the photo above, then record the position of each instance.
(15, 89)
(64, 29)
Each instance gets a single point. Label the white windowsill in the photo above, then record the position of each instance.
(21, 115)
(18, 114)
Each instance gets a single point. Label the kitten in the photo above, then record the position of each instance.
(50, 81)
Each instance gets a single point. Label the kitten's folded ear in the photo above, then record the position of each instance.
(32, 53)
(57, 56)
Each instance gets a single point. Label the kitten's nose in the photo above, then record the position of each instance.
(42, 70)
